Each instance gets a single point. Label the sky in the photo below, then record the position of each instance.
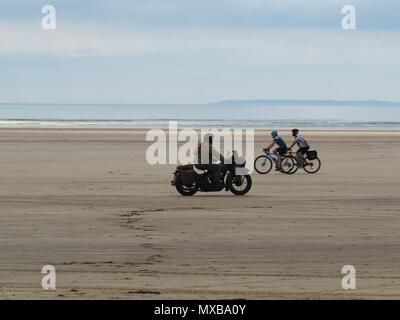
(198, 51)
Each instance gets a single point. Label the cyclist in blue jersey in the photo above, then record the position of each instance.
(280, 150)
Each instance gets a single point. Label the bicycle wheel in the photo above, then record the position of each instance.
(312, 166)
(289, 165)
(263, 164)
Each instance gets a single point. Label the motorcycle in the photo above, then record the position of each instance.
(188, 181)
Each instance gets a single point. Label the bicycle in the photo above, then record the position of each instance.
(264, 163)
(310, 163)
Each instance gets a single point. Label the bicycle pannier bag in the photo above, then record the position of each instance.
(312, 155)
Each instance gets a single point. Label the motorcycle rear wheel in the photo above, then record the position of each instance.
(185, 190)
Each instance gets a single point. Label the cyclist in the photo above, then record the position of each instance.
(301, 143)
(280, 150)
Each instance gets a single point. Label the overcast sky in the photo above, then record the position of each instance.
(187, 51)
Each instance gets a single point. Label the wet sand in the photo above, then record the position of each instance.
(86, 202)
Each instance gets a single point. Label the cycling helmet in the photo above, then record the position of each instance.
(274, 133)
(295, 132)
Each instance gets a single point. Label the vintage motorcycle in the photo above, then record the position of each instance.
(188, 179)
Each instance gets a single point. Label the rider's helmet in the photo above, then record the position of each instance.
(274, 133)
(295, 132)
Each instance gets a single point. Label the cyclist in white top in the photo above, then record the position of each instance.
(301, 143)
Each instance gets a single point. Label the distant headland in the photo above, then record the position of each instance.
(275, 102)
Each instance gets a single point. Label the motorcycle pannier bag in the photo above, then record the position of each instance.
(312, 155)
(187, 177)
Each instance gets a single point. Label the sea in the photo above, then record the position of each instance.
(196, 116)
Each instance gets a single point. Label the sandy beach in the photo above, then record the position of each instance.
(86, 202)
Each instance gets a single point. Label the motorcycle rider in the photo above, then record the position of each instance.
(208, 158)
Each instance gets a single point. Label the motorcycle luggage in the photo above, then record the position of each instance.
(187, 177)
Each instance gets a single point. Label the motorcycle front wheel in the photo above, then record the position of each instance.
(239, 185)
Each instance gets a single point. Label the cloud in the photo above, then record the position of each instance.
(188, 51)
(289, 46)
(373, 14)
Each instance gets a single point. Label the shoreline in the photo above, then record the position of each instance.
(193, 128)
